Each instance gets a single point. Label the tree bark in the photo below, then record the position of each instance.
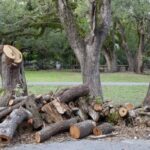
(110, 57)
(105, 128)
(139, 55)
(82, 129)
(53, 129)
(147, 98)
(73, 93)
(10, 124)
(12, 76)
(87, 50)
(125, 46)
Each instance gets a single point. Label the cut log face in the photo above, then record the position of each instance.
(123, 111)
(53, 129)
(52, 113)
(9, 125)
(129, 106)
(82, 129)
(105, 128)
(98, 107)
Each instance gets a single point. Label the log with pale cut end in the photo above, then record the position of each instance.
(123, 111)
(74, 93)
(129, 106)
(105, 128)
(54, 129)
(13, 53)
(98, 107)
(93, 114)
(17, 100)
(82, 129)
(10, 124)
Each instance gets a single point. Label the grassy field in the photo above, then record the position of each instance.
(62, 76)
(119, 94)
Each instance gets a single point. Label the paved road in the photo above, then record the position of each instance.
(77, 83)
(87, 145)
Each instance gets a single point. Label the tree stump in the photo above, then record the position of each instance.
(12, 74)
(82, 129)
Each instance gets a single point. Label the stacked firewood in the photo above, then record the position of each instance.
(68, 110)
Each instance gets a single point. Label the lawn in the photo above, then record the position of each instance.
(62, 76)
(119, 94)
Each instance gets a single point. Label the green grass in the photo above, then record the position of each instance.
(62, 76)
(118, 94)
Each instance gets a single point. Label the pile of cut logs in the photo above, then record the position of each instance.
(67, 110)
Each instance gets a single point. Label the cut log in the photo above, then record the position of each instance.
(98, 107)
(83, 116)
(2, 108)
(105, 128)
(129, 106)
(93, 114)
(31, 106)
(123, 111)
(17, 100)
(74, 93)
(52, 114)
(54, 129)
(82, 129)
(60, 107)
(10, 124)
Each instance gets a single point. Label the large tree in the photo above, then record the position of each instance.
(147, 98)
(87, 49)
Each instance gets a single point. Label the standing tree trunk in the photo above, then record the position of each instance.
(147, 98)
(139, 55)
(12, 74)
(110, 57)
(125, 46)
(87, 50)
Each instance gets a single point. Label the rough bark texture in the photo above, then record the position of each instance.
(147, 98)
(139, 54)
(73, 93)
(53, 129)
(12, 75)
(10, 124)
(32, 107)
(111, 60)
(125, 46)
(105, 128)
(88, 50)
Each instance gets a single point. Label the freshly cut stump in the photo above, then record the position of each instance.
(82, 129)
(123, 111)
(10, 124)
(105, 128)
(53, 129)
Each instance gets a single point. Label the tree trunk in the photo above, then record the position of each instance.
(87, 50)
(110, 57)
(12, 75)
(139, 55)
(82, 129)
(125, 46)
(10, 124)
(53, 129)
(147, 98)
